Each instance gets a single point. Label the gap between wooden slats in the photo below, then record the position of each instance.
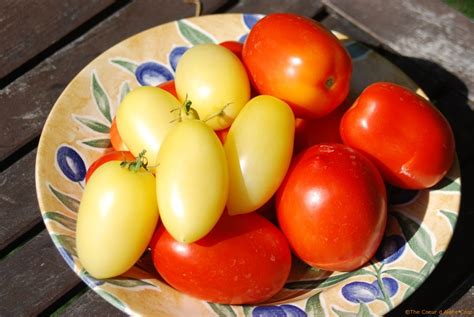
(29, 27)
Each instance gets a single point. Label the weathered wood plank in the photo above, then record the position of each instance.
(419, 29)
(307, 8)
(23, 116)
(90, 304)
(33, 277)
(18, 204)
(29, 27)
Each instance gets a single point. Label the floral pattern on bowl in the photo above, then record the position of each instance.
(420, 223)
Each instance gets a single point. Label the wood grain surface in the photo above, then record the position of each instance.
(417, 29)
(19, 210)
(26, 294)
(307, 8)
(30, 27)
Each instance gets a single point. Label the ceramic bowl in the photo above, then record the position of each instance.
(420, 223)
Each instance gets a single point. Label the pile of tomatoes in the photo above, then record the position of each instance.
(251, 130)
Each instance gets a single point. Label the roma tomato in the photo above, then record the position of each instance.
(111, 156)
(170, 87)
(115, 138)
(191, 180)
(116, 219)
(216, 82)
(222, 134)
(258, 148)
(332, 207)
(243, 260)
(405, 135)
(320, 130)
(297, 60)
(144, 118)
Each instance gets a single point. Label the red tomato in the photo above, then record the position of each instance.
(298, 60)
(111, 156)
(405, 135)
(244, 259)
(169, 87)
(115, 138)
(234, 46)
(222, 134)
(309, 132)
(332, 207)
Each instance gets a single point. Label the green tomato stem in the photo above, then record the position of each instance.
(185, 112)
(217, 114)
(140, 162)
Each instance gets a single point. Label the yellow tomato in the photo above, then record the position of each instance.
(191, 180)
(212, 77)
(258, 147)
(116, 220)
(144, 118)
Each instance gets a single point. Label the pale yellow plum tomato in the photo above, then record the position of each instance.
(191, 180)
(212, 77)
(116, 220)
(259, 148)
(144, 118)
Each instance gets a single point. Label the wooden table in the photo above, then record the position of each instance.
(45, 43)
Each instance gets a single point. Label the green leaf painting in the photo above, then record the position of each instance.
(124, 90)
(223, 310)
(67, 242)
(128, 282)
(65, 221)
(94, 125)
(314, 307)
(111, 299)
(342, 313)
(411, 278)
(98, 143)
(247, 310)
(126, 65)
(363, 311)
(100, 97)
(416, 235)
(447, 184)
(332, 280)
(439, 256)
(451, 216)
(193, 34)
(69, 202)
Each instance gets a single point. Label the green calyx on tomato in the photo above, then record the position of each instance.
(140, 162)
(186, 112)
(212, 76)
